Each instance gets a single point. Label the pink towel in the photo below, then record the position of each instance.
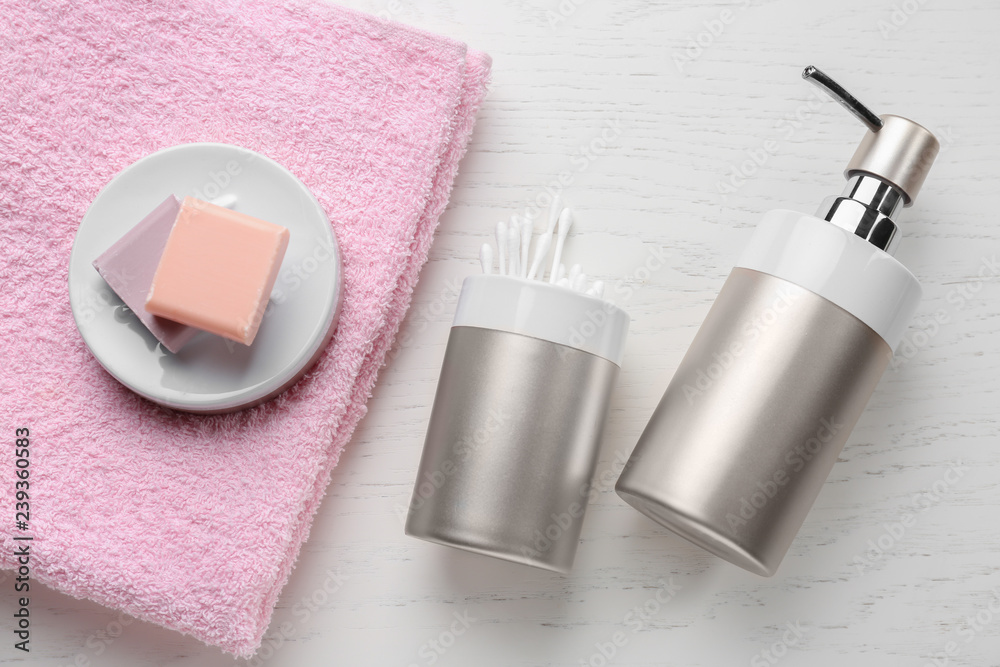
(194, 522)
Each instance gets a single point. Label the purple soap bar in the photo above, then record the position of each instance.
(129, 265)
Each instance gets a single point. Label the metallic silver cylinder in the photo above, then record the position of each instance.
(754, 418)
(514, 433)
(901, 152)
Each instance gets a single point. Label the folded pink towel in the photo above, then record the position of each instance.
(195, 522)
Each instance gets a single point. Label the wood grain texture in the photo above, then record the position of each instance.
(364, 594)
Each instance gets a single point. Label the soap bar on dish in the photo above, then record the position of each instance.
(128, 267)
(217, 270)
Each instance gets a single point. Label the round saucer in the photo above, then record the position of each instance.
(211, 374)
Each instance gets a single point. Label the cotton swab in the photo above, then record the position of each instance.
(545, 240)
(565, 222)
(527, 228)
(597, 289)
(514, 247)
(486, 258)
(573, 273)
(502, 247)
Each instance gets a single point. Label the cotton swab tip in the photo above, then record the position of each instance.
(565, 222)
(486, 258)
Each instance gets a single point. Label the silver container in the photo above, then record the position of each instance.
(514, 433)
(786, 360)
(751, 423)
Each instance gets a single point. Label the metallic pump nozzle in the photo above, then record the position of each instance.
(886, 171)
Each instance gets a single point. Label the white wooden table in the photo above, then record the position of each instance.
(648, 128)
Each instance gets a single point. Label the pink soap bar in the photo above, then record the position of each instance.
(128, 267)
(217, 270)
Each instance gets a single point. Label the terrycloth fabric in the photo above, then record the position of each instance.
(195, 522)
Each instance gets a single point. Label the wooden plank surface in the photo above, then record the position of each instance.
(651, 127)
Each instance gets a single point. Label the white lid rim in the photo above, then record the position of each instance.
(837, 265)
(544, 311)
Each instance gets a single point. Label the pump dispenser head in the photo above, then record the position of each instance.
(900, 153)
(886, 171)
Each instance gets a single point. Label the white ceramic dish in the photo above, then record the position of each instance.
(211, 374)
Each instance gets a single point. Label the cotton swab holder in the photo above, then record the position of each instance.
(514, 433)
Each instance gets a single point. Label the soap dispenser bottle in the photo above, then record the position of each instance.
(787, 358)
